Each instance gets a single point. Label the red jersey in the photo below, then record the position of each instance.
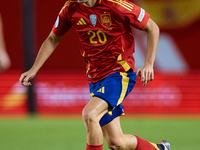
(104, 31)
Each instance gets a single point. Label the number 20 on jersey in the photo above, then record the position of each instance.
(101, 37)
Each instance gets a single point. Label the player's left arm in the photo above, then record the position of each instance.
(146, 72)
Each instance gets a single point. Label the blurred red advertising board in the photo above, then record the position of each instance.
(68, 92)
(168, 93)
(13, 96)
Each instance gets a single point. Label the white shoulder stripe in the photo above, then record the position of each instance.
(141, 16)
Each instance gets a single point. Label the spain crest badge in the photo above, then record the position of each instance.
(106, 20)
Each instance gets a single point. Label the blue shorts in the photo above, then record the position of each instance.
(113, 89)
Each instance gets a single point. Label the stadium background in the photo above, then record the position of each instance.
(61, 85)
(61, 88)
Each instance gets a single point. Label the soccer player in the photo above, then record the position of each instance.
(107, 44)
(4, 58)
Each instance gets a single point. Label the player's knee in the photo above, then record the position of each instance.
(116, 144)
(88, 116)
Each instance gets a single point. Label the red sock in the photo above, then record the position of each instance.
(94, 147)
(145, 145)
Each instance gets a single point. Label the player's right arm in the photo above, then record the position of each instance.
(47, 48)
(4, 58)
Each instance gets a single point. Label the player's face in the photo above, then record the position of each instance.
(82, 1)
(88, 3)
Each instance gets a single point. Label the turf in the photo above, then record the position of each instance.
(69, 134)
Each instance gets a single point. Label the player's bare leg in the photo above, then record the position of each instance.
(115, 138)
(91, 115)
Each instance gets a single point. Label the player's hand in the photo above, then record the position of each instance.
(26, 77)
(146, 73)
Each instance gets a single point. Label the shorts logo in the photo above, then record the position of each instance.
(93, 19)
(102, 90)
(106, 20)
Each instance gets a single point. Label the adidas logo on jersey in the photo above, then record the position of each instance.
(81, 22)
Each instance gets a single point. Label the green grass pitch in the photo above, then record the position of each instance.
(70, 134)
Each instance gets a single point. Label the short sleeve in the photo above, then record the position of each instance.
(135, 16)
(63, 23)
(140, 17)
